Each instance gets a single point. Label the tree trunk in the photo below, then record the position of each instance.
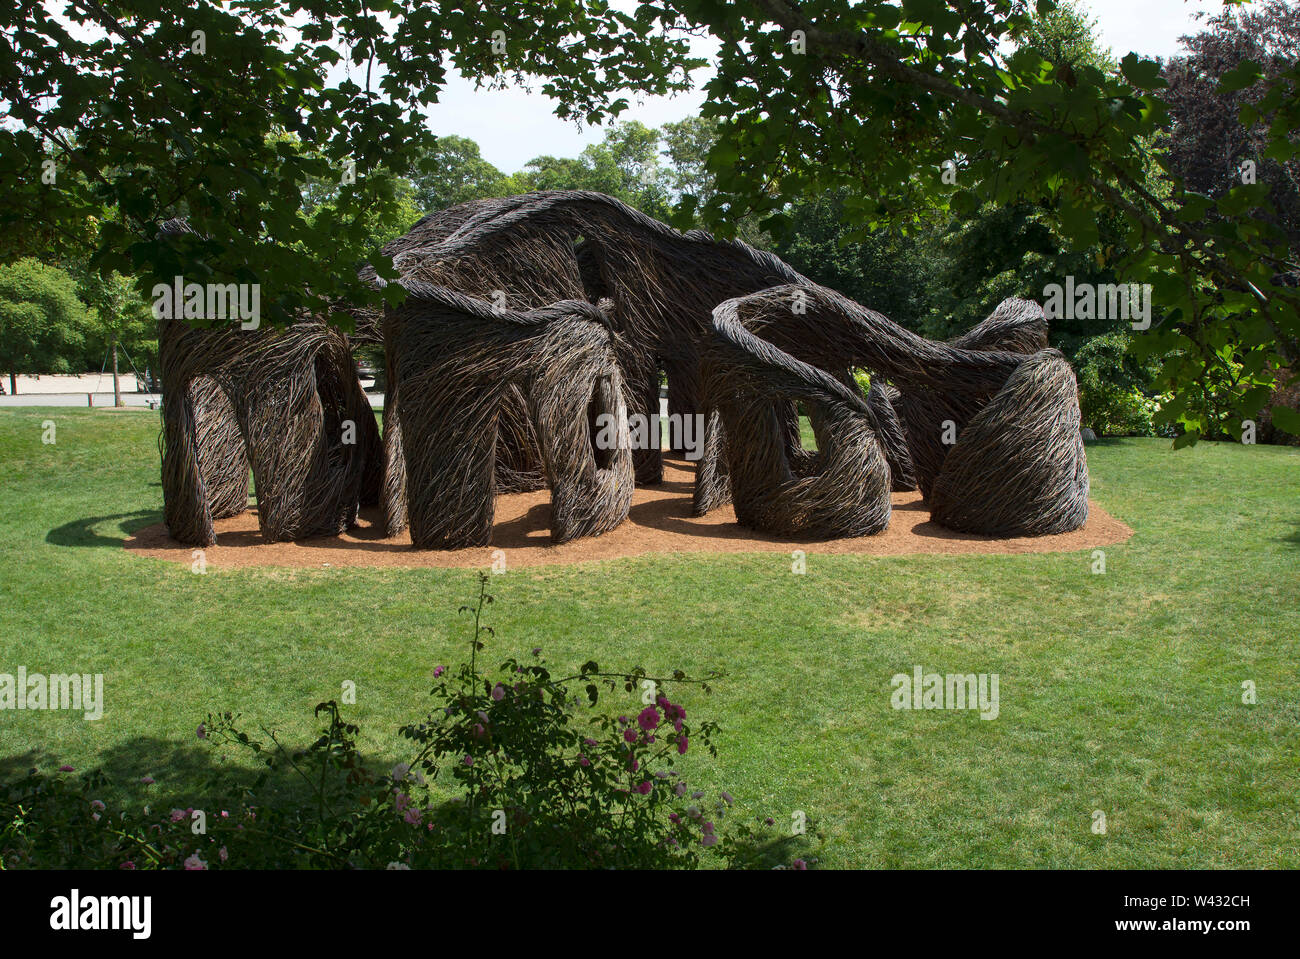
(13, 382)
(117, 389)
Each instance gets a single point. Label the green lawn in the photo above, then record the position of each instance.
(1120, 692)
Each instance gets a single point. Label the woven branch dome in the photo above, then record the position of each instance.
(1010, 416)
(529, 321)
(843, 490)
(525, 252)
(1018, 468)
(288, 405)
(459, 360)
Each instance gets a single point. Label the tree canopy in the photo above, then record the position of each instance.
(134, 111)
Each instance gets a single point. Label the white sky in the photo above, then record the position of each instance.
(511, 126)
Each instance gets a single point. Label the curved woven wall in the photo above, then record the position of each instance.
(273, 401)
(1021, 468)
(460, 362)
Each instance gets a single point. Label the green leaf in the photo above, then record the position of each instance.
(1286, 419)
(1239, 77)
(1143, 74)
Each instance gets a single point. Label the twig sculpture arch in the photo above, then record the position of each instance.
(1004, 460)
(528, 251)
(288, 405)
(459, 359)
(533, 326)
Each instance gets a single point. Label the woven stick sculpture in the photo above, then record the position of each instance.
(843, 489)
(524, 252)
(288, 405)
(524, 276)
(459, 360)
(830, 332)
(1015, 326)
(893, 437)
(1032, 473)
(223, 456)
(1019, 468)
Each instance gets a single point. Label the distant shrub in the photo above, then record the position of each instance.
(1112, 401)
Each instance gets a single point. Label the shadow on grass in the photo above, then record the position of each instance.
(1104, 441)
(82, 532)
(164, 775)
(184, 775)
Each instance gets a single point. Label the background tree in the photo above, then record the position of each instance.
(161, 104)
(118, 319)
(686, 144)
(626, 165)
(157, 104)
(453, 171)
(1212, 145)
(42, 323)
(876, 97)
(1208, 143)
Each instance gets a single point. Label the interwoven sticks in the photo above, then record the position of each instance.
(295, 401)
(538, 248)
(223, 458)
(831, 332)
(204, 462)
(841, 491)
(1015, 326)
(1019, 467)
(520, 271)
(457, 359)
(893, 438)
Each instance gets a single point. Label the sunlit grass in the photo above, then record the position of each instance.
(1119, 692)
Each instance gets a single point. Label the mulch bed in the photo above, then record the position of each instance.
(660, 522)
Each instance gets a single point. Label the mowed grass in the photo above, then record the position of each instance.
(1119, 692)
